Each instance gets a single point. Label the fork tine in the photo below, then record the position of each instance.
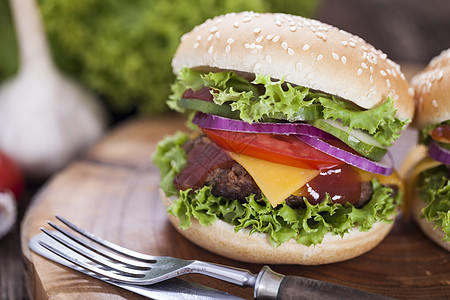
(116, 248)
(101, 272)
(94, 257)
(112, 256)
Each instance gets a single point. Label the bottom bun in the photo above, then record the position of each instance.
(436, 235)
(220, 238)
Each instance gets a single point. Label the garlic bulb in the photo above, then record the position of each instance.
(45, 118)
(45, 124)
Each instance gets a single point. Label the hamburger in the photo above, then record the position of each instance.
(288, 161)
(429, 185)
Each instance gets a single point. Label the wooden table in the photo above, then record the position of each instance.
(112, 191)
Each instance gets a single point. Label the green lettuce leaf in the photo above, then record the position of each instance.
(379, 121)
(307, 226)
(282, 223)
(434, 188)
(264, 99)
(170, 158)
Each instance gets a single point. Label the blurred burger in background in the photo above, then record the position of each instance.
(289, 161)
(429, 185)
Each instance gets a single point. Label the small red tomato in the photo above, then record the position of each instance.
(11, 177)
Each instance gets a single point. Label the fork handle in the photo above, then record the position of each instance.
(271, 285)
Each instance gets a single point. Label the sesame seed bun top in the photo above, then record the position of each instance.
(432, 91)
(302, 51)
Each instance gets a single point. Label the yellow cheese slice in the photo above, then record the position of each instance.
(394, 178)
(276, 181)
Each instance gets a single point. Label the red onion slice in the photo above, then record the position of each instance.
(220, 123)
(439, 153)
(305, 132)
(383, 167)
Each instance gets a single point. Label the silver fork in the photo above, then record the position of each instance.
(124, 265)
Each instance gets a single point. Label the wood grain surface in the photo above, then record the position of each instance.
(113, 191)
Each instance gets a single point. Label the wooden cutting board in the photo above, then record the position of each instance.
(112, 191)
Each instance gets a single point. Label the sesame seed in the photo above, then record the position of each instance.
(257, 30)
(195, 46)
(210, 37)
(344, 43)
(344, 60)
(293, 28)
(364, 55)
(371, 79)
(217, 35)
(319, 57)
(321, 35)
(284, 45)
(388, 82)
(305, 47)
(228, 49)
(335, 55)
(352, 44)
(290, 51)
(213, 29)
(247, 19)
(268, 59)
(276, 38)
(434, 102)
(364, 65)
(236, 24)
(269, 37)
(259, 39)
(440, 75)
(394, 73)
(364, 48)
(257, 66)
(359, 71)
(372, 58)
(278, 22)
(210, 50)
(411, 91)
(383, 73)
(371, 69)
(230, 41)
(299, 65)
(199, 37)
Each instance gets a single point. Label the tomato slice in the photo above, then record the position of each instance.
(441, 134)
(11, 178)
(282, 149)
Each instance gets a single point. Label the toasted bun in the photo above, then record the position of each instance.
(432, 91)
(302, 51)
(436, 235)
(220, 238)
